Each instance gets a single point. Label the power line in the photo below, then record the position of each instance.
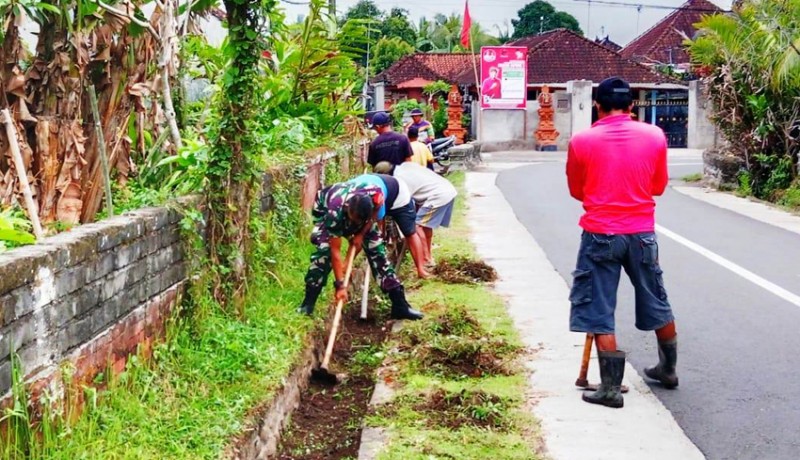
(639, 6)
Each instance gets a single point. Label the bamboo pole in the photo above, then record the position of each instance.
(22, 174)
(477, 87)
(101, 150)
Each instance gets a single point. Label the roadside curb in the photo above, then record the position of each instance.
(762, 212)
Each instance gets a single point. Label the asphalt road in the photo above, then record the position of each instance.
(739, 346)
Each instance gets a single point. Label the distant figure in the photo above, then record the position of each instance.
(423, 126)
(422, 153)
(615, 168)
(491, 87)
(389, 145)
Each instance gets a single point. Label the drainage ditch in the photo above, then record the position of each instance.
(327, 425)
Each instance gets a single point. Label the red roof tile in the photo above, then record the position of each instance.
(557, 56)
(448, 67)
(663, 43)
(608, 43)
(561, 55)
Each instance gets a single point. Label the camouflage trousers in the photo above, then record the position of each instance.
(374, 248)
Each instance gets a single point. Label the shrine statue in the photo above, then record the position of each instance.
(454, 113)
(546, 133)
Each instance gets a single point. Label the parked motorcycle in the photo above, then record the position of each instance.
(439, 148)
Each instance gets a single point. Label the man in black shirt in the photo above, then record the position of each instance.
(389, 145)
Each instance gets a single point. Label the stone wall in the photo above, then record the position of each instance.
(702, 133)
(89, 296)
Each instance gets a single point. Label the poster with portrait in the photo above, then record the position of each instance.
(504, 77)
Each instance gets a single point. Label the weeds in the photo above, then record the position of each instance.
(694, 177)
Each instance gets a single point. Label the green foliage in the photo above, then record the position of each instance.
(751, 68)
(694, 177)
(745, 184)
(364, 9)
(388, 51)
(530, 20)
(791, 198)
(14, 229)
(439, 120)
(198, 389)
(397, 25)
(434, 89)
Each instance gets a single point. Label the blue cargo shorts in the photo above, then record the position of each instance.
(596, 279)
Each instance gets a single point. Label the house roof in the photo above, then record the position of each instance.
(608, 43)
(556, 56)
(448, 67)
(663, 43)
(562, 55)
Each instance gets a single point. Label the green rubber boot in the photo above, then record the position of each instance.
(612, 369)
(664, 371)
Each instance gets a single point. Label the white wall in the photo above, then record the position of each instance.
(502, 125)
(702, 132)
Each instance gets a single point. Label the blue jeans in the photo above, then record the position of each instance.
(596, 279)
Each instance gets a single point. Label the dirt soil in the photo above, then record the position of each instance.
(327, 425)
(461, 270)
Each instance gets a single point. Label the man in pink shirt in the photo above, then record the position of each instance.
(615, 168)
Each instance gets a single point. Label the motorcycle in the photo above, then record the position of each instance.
(439, 148)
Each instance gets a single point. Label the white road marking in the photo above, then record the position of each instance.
(735, 268)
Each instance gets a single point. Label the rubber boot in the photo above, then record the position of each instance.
(612, 369)
(400, 307)
(664, 371)
(312, 293)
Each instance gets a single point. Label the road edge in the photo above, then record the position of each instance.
(537, 301)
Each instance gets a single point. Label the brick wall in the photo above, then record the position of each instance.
(89, 296)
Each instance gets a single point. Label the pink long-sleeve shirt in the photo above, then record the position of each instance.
(615, 168)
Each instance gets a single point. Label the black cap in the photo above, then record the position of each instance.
(611, 86)
(413, 131)
(381, 119)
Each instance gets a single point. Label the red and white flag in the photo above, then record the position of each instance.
(466, 25)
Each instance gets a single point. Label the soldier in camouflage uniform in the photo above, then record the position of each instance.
(349, 210)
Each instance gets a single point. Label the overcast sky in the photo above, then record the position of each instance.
(621, 23)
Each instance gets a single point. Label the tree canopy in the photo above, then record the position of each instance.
(392, 35)
(540, 16)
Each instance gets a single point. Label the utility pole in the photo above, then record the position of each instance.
(541, 24)
(332, 7)
(589, 18)
(638, 15)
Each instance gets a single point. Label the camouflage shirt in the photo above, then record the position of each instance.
(329, 215)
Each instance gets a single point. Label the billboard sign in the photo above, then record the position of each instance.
(504, 77)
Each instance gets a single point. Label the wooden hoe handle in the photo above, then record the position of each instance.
(587, 353)
(337, 317)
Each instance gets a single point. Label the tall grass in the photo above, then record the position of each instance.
(196, 392)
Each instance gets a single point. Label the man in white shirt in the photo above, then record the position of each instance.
(435, 197)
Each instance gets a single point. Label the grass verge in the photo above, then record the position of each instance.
(696, 177)
(197, 391)
(459, 385)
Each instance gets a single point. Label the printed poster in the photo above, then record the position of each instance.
(504, 77)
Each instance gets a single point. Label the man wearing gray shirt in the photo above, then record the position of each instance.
(435, 197)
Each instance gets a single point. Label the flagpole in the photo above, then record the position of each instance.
(474, 64)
